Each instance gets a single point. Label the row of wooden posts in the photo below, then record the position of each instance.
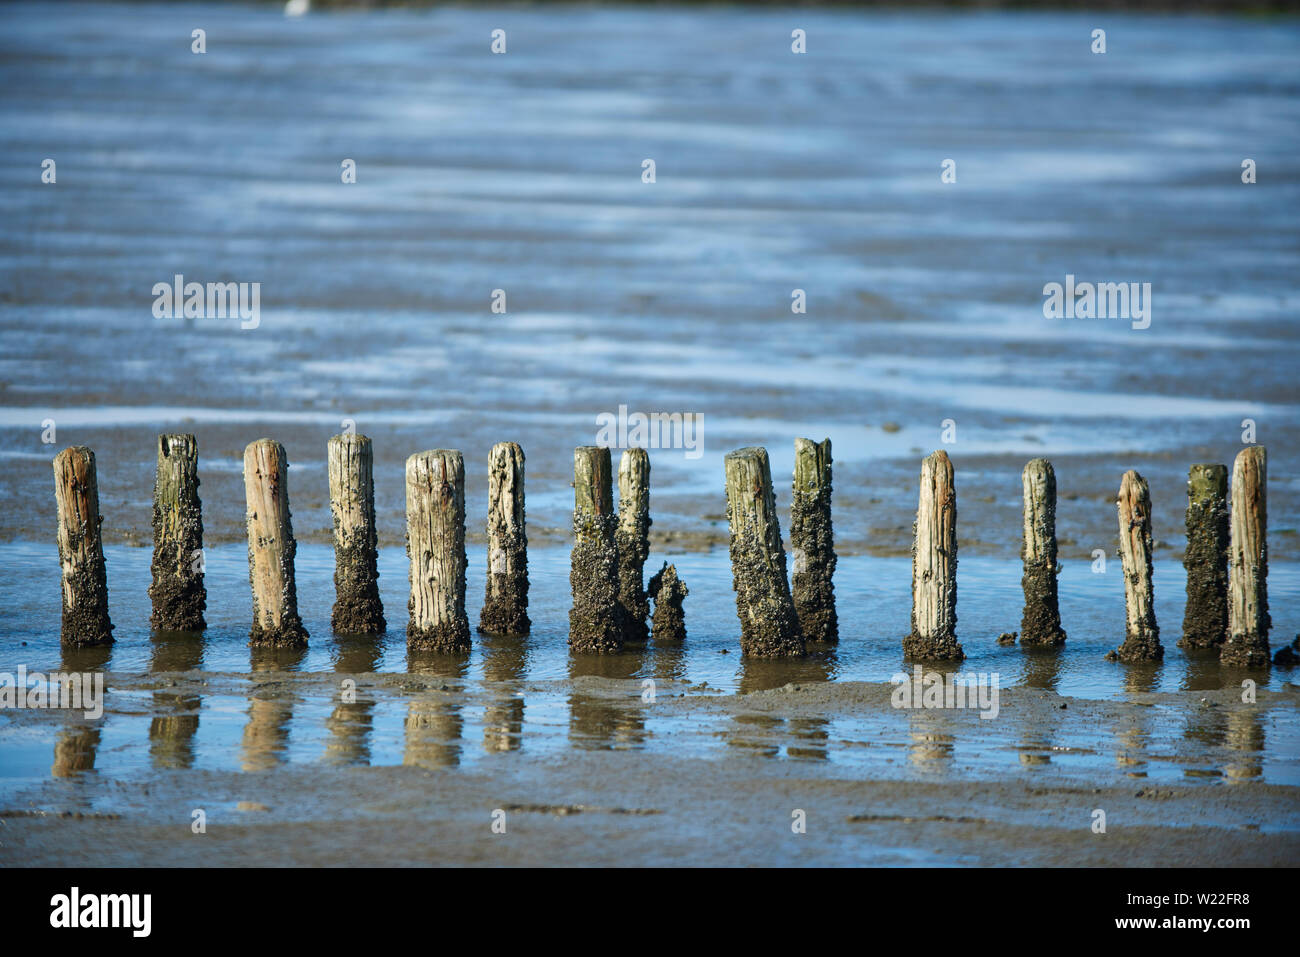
(1226, 557)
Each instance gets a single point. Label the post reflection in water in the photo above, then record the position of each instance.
(808, 734)
(433, 723)
(932, 741)
(1245, 740)
(1234, 733)
(351, 722)
(667, 662)
(270, 707)
(813, 736)
(602, 717)
(1132, 733)
(173, 727)
(1042, 667)
(78, 742)
(1042, 670)
(1201, 671)
(764, 674)
(505, 662)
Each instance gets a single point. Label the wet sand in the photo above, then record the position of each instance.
(1012, 791)
(779, 172)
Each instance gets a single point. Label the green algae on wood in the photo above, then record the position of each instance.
(632, 538)
(812, 541)
(177, 592)
(1205, 615)
(596, 621)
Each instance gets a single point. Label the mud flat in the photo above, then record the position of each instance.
(916, 316)
(696, 777)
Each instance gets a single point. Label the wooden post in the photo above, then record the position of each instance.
(633, 541)
(769, 626)
(177, 591)
(505, 604)
(1248, 619)
(1041, 622)
(668, 591)
(812, 541)
(271, 547)
(934, 566)
(81, 552)
(435, 544)
(1141, 635)
(357, 608)
(596, 622)
(1205, 616)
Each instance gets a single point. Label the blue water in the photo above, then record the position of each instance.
(775, 171)
(872, 597)
(245, 724)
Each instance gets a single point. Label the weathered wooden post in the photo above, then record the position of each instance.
(177, 591)
(596, 623)
(1205, 616)
(812, 541)
(934, 566)
(1041, 622)
(769, 626)
(1141, 634)
(668, 592)
(357, 608)
(435, 544)
(505, 604)
(81, 551)
(633, 541)
(271, 547)
(1248, 619)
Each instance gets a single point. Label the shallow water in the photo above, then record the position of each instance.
(872, 597)
(512, 694)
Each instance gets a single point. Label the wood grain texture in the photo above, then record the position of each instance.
(271, 547)
(1141, 634)
(435, 545)
(81, 551)
(934, 565)
(1248, 617)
